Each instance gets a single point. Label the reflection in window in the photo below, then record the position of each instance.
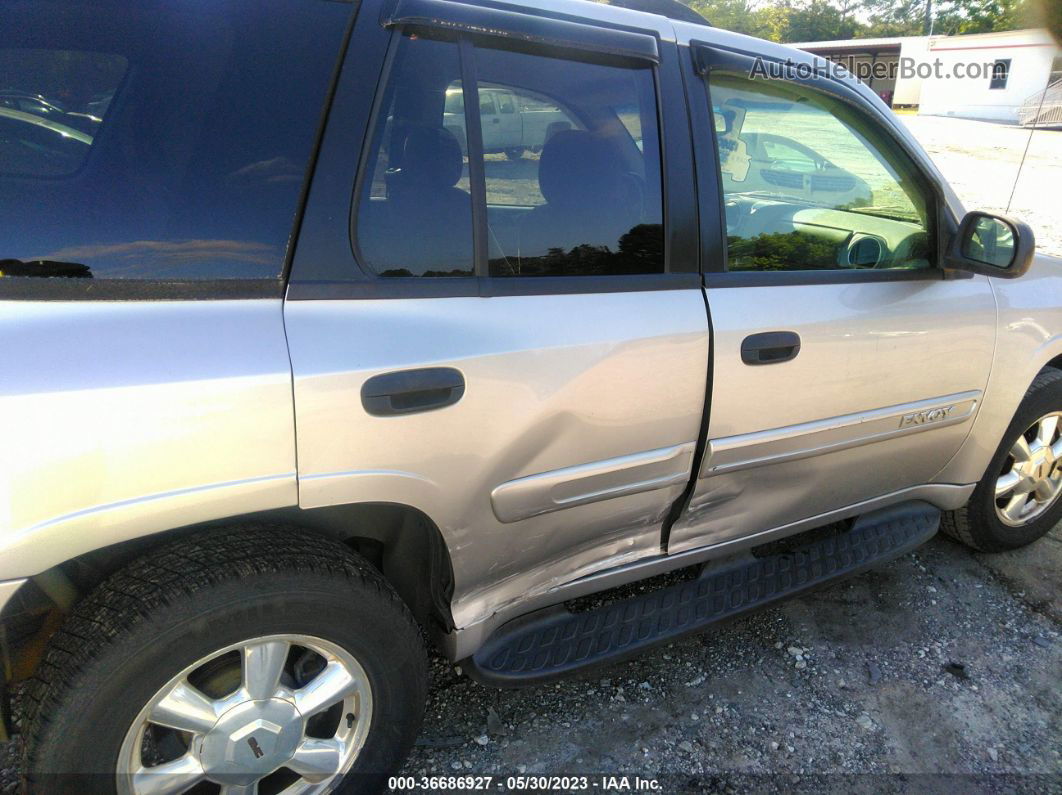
(52, 104)
(156, 143)
(571, 164)
(413, 217)
(572, 181)
(806, 188)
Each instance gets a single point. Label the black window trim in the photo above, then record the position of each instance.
(489, 286)
(706, 57)
(477, 178)
(516, 26)
(365, 283)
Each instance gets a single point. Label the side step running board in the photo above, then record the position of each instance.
(552, 642)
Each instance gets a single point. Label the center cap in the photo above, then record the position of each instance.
(251, 740)
(1039, 466)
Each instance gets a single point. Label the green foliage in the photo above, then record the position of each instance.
(778, 251)
(818, 20)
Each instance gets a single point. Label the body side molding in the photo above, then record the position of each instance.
(600, 480)
(789, 443)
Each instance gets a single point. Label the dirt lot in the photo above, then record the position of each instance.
(980, 160)
(848, 688)
(852, 688)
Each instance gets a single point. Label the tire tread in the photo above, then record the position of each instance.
(962, 523)
(172, 573)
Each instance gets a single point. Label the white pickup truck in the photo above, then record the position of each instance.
(512, 123)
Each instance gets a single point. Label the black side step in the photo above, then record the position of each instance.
(548, 643)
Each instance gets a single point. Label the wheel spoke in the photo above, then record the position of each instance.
(317, 760)
(1056, 450)
(184, 708)
(333, 684)
(1045, 433)
(239, 789)
(1006, 483)
(1020, 450)
(263, 663)
(1046, 489)
(1014, 508)
(169, 777)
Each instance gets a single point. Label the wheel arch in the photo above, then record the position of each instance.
(402, 542)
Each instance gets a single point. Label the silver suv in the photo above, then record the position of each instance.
(298, 371)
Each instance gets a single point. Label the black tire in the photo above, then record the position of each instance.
(159, 615)
(976, 524)
(515, 152)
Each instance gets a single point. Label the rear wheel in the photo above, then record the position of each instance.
(264, 661)
(515, 152)
(1018, 499)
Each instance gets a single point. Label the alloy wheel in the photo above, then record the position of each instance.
(1031, 477)
(277, 714)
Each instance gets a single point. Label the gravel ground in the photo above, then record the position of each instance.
(856, 687)
(853, 687)
(980, 159)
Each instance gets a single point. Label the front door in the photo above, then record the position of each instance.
(846, 367)
(508, 353)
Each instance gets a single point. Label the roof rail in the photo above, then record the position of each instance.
(672, 9)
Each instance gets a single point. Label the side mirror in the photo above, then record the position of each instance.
(724, 120)
(992, 245)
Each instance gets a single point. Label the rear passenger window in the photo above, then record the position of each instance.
(157, 140)
(570, 157)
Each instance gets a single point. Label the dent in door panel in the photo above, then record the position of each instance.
(553, 383)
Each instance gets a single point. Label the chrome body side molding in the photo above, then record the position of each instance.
(733, 453)
(600, 480)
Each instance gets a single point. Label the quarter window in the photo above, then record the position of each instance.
(160, 142)
(809, 184)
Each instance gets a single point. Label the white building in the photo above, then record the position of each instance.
(978, 76)
(877, 63)
(1014, 66)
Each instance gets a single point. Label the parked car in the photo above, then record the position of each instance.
(510, 122)
(340, 381)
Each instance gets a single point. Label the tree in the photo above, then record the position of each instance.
(817, 20)
(945, 17)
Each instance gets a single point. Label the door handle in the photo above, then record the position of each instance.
(410, 391)
(770, 347)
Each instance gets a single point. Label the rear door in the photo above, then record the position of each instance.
(846, 367)
(516, 348)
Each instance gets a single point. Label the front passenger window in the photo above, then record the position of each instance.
(809, 184)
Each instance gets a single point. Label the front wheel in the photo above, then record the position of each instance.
(1018, 499)
(262, 661)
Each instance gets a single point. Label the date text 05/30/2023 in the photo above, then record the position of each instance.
(601, 783)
